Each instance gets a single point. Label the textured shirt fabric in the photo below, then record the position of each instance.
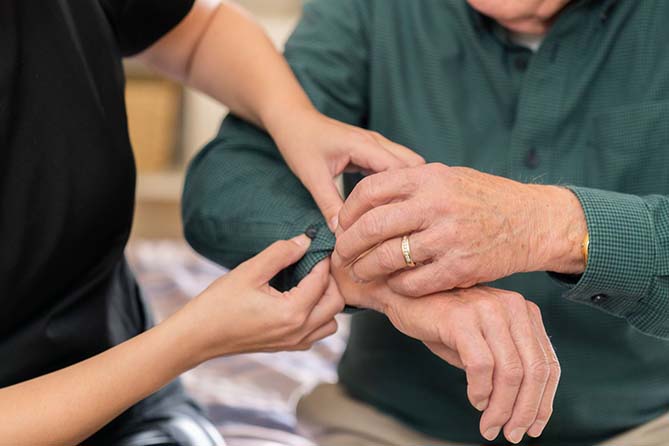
(588, 110)
(67, 178)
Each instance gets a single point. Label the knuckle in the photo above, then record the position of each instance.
(512, 374)
(343, 249)
(479, 393)
(487, 306)
(333, 329)
(365, 189)
(533, 308)
(360, 136)
(371, 224)
(436, 168)
(286, 317)
(500, 417)
(556, 369)
(296, 320)
(516, 298)
(481, 366)
(385, 257)
(409, 285)
(545, 414)
(525, 417)
(438, 172)
(539, 371)
(304, 346)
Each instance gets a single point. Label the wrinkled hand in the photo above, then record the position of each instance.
(465, 228)
(241, 312)
(495, 336)
(318, 149)
(498, 339)
(370, 295)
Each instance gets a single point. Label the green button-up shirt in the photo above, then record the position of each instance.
(589, 110)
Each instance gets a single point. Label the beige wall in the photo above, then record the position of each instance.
(202, 116)
(158, 193)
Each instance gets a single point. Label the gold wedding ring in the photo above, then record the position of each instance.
(406, 252)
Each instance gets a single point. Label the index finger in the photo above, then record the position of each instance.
(376, 190)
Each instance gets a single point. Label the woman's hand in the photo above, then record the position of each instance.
(318, 149)
(238, 313)
(242, 313)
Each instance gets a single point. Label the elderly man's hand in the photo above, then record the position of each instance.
(465, 228)
(496, 336)
(498, 339)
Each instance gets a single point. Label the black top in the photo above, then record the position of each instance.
(67, 178)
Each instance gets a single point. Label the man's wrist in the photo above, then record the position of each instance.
(559, 230)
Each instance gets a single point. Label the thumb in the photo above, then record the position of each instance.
(277, 257)
(375, 157)
(404, 154)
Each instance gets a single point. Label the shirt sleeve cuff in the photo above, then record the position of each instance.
(322, 245)
(621, 258)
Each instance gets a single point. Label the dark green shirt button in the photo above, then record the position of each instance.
(311, 232)
(599, 298)
(521, 63)
(532, 159)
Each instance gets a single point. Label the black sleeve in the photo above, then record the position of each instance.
(140, 23)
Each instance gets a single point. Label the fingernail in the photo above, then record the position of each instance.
(483, 405)
(334, 222)
(492, 433)
(301, 240)
(537, 429)
(516, 435)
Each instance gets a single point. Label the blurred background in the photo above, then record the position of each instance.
(251, 398)
(170, 124)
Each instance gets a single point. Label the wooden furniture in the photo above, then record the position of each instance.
(170, 124)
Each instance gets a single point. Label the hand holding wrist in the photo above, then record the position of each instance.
(464, 227)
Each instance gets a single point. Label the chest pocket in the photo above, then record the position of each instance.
(629, 149)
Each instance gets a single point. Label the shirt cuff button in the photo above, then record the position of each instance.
(311, 232)
(599, 298)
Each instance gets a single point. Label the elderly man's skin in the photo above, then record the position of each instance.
(467, 228)
(495, 336)
(521, 16)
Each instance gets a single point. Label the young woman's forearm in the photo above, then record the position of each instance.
(69, 405)
(238, 313)
(220, 50)
(238, 64)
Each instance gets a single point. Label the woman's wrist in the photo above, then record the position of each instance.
(284, 116)
(188, 336)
